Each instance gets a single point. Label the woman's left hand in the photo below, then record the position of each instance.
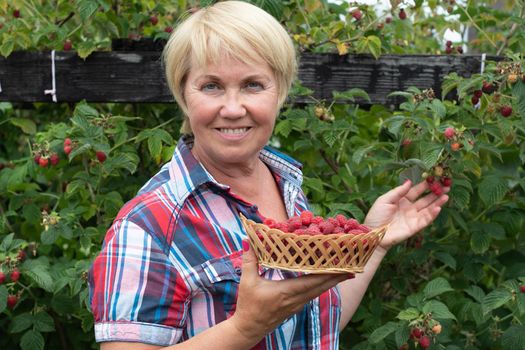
(406, 210)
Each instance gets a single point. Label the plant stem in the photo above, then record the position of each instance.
(478, 27)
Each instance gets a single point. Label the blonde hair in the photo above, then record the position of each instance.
(234, 29)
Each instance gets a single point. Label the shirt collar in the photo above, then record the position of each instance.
(188, 174)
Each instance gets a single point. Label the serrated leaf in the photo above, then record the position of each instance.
(492, 189)
(382, 332)
(360, 153)
(514, 338)
(431, 154)
(284, 127)
(479, 242)
(81, 112)
(7, 242)
(438, 310)
(86, 8)
(155, 148)
(408, 314)
(41, 277)
(330, 138)
(21, 322)
(495, 299)
(436, 287)
(518, 91)
(273, 7)
(438, 108)
(32, 340)
(476, 292)
(374, 45)
(50, 235)
(28, 126)
(446, 258)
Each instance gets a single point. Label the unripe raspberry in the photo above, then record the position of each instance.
(436, 329)
(319, 111)
(438, 170)
(449, 133)
(455, 146)
(512, 78)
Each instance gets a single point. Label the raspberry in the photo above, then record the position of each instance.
(449, 133)
(474, 100)
(67, 141)
(459, 49)
(338, 229)
(153, 20)
(446, 181)
(388, 20)
(478, 93)
(101, 156)
(12, 300)
(402, 14)
(437, 329)
(36, 158)
(269, 222)
(448, 50)
(487, 87)
(2, 277)
(43, 162)
(54, 159)
(522, 288)
(306, 217)
(21, 256)
(168, 29)
(506, 111)
(455, 146)
(15, 275)
(357, 14)
(67, 149)
(424, 342)
(341, 220)
(436, 188)
(294, 223)
(449, 43)
(406, 142)
(317, 220)
(313, 230)
(430, 179)
(300, 231)
(326, 227)
(68, 45)
(416, 333)
(351, 224)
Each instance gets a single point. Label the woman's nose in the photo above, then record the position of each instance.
(233, 106)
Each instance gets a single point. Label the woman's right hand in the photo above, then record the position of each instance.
(263, 304)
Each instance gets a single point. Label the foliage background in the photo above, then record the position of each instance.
(464, 272)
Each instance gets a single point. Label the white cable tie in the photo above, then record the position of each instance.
(0, 87)
(483, 56)
(53, 91)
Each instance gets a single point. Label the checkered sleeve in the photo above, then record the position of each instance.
(136, 294)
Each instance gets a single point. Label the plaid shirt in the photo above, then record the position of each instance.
(170, 264)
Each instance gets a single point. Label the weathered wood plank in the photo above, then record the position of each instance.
(138, 76)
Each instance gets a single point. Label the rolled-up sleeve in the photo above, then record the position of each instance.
(136, 293)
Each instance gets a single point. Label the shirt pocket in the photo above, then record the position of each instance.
(222, 277)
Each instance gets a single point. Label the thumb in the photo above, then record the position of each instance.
(250, 267)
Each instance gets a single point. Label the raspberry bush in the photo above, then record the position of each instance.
(66, 169)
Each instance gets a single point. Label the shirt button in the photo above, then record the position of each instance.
(254, 209)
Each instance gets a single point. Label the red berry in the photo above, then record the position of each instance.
(357, 14)
(2, 277)
(269, 222)
(424, 342)
(168, 29)
(430, 179)
(449, 43)
(404, 347)
(21, 256)
(15, 275)
(455, 146)
(522, 288)
(416, 333)
(402, 14)
(436, 188)
(16, 13)
(478, 93)
(154, 20)
(406, 142)
(37, 158)
(54, 159)
(474, 100)
(487, 87)
(67, 141)
(449, 133)
(11, 301)
(388, 20)
(506, 111)
(101, 156)
(306, 217)
(43, 162)
(446, 181)
(326, 227)
(67, 149)
(67, 45)
(448, 50)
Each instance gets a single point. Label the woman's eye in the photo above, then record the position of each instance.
(209, 87)
(254, 85)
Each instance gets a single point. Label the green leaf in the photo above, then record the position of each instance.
(438, 108)
(81, 112)
(21, 322)
(155, 148)
(479, 242)
(7, 47)
(350, 95)
(514, 338)
(446, 258)
(438, 310)
(374, 45)
(476, 292)
(7, 242)
(86, 8)
(382, 332)
(3, 298)
(50, 235)
(492, 189)
(32, 340)
(38, 272)
(273, 7)
(284, 127)
(518, 91)
(431, 154)
(360, 153)
(436, 287)
(408, 314)
(85, 48)
(28, 126)
(495, 299)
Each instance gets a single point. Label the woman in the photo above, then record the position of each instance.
(171, 271)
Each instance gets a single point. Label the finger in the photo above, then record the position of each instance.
(430, 213)
(394, 195)
(309, 287)
(417, 191)
(250, 266)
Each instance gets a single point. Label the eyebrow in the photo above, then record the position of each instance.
(249, 77)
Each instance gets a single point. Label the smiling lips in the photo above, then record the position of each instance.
(237, 131)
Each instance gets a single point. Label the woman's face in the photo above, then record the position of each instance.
(232, 107)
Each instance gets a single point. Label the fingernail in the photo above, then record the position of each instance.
(245, 245)
(407, 180)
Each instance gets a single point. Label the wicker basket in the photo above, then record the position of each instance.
(332, 253)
